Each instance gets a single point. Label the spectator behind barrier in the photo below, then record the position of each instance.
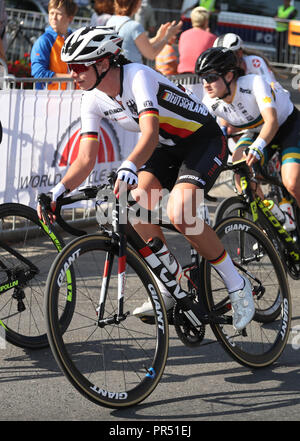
(45, 54)
(136, 44)
(104, 9)
(284, 12)
(211, 7)
(193, 42)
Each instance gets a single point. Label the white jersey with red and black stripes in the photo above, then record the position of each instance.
(145, 91)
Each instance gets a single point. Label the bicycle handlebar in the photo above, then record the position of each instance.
(241, 166)
(84, 194)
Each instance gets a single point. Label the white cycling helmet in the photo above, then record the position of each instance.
(230, 40)
(89, 44)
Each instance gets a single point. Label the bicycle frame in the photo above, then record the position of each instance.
(19, 278)
(123, 233)
(256, 204)
(197, 314)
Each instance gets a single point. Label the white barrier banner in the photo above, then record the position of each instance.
(41, 138)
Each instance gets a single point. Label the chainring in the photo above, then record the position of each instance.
(190, 335)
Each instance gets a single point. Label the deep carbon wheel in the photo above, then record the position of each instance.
(27, 250)
(117, 362)
(260, 343)
(236, 206)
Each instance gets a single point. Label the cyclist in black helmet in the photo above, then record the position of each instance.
(249, 61)
(180, 148)
(249, 103)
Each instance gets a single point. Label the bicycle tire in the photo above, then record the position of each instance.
(261, 343)
(21, 306)
(119, 364)
(236, 206)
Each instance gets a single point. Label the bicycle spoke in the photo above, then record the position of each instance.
(114, 356)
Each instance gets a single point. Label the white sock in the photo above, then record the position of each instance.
(224, 266)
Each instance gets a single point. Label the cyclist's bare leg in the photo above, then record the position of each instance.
(290, 173)
(183, 201)
(182, 213)
(182, 207)
(147, 194)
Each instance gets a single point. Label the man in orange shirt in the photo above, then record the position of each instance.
(45, 54)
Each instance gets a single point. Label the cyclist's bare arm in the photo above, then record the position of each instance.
(78, 171)
(83, 164)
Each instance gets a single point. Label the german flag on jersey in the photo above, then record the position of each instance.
(180, 116)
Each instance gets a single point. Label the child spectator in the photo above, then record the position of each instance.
(45, 54)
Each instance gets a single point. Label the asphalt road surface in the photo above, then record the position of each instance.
(199, 384)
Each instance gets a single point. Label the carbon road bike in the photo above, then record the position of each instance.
(251, 206)
(27, 249)
(116, 359)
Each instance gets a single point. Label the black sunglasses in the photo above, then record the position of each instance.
(210, 77)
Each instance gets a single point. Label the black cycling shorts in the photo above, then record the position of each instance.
(197, 160)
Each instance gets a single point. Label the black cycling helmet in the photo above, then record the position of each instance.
(216, 59)
(220, 60)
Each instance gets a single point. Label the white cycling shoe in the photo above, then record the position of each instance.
(147, 308)
(242, 305)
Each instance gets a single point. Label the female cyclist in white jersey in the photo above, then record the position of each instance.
(250, 62)
(249, 102)
(181, 147)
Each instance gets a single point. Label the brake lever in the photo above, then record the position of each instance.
(112, 177)
(45, 202)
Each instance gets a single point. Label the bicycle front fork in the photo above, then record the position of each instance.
(109, 260)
